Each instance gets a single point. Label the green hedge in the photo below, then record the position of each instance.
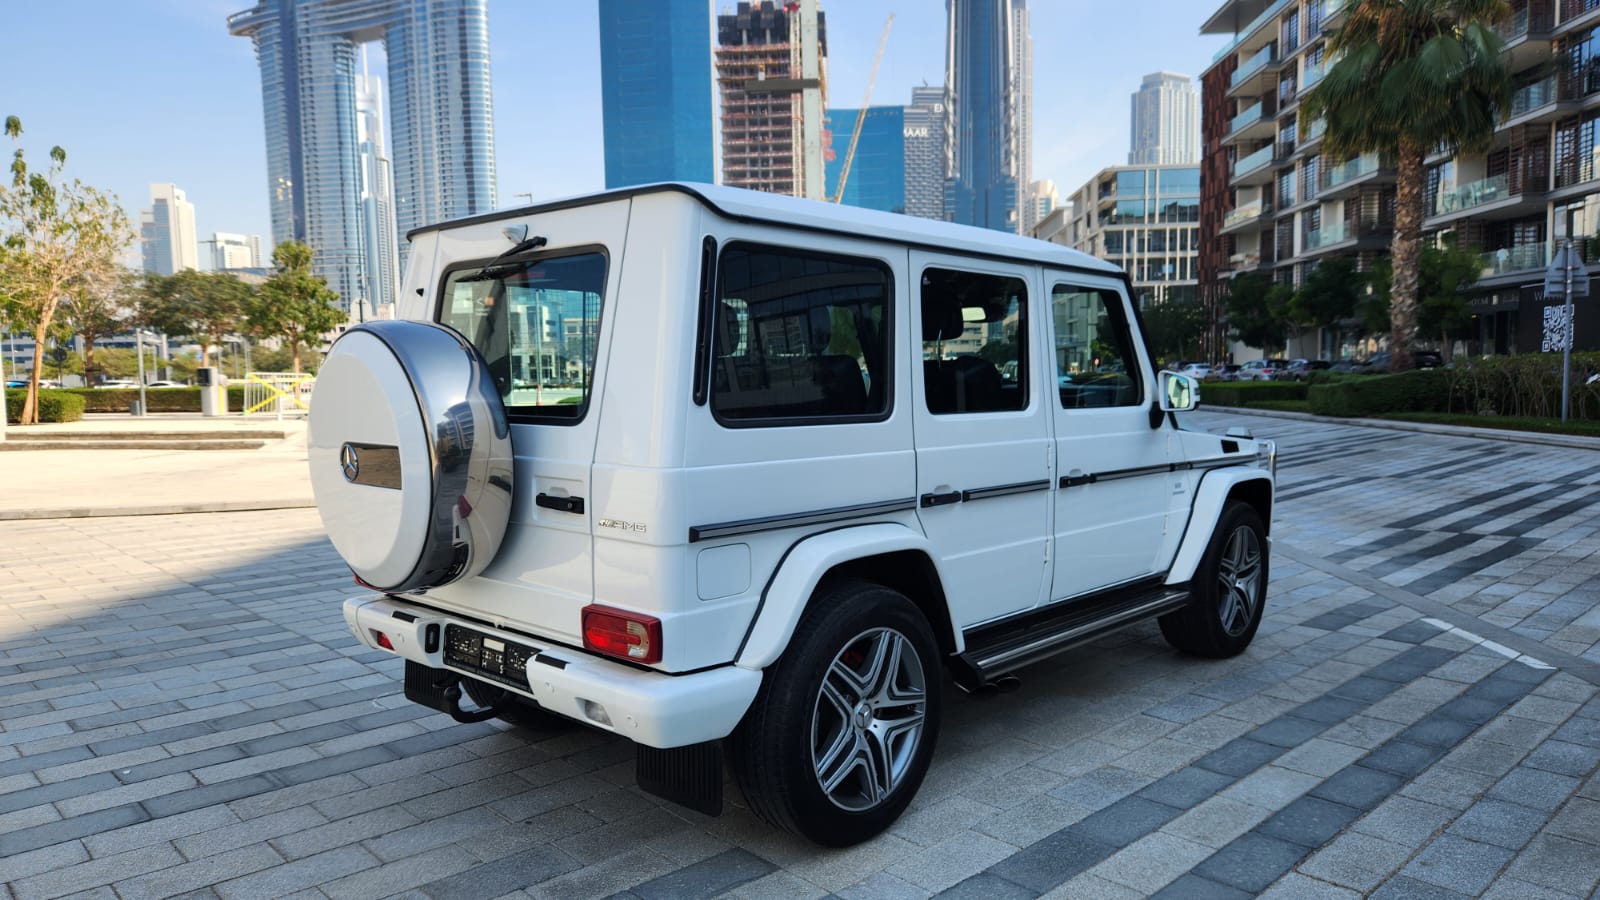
(1250, 393)
(1417, 391)
(118, 400)
(54, 406)
(1527, 385)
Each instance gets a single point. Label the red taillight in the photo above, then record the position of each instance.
(382, 639)
(623, 634)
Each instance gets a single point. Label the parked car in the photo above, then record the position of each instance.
(660, 583)
(1301, 369)
(1378, 363)
(1196, 370)
(118, 384)
(1261, 369)
(1345, 366)
(1227, 372)
(166, 384)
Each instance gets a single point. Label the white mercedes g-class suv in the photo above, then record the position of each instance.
(714, 469)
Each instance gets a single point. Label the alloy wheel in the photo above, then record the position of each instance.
(867, 721)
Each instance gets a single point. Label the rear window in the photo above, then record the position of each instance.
(537, 323)
(799, 338)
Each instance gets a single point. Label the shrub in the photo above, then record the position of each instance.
(54, 406)
(1527, 385)
(1250, 393)
(118, 400)
(1416, 391)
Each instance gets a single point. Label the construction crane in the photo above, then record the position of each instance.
(861, 115)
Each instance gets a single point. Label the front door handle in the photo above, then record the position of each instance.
(564, 504)
(944, 499)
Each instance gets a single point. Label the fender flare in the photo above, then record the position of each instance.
(789, 591)
(1209, 499)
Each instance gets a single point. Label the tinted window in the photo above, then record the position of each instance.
(1095, 362)
(799, 337)
(974, 342)
(536, 322)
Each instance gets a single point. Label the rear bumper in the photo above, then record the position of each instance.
(652, 708)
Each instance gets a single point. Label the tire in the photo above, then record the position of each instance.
(516, 710)
(810, 764)
(1229, 589)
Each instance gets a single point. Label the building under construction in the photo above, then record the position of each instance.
(758, 60)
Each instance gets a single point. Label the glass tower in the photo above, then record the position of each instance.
(655, 91)
(927, 154)
(440, 115)
(1165, 121)
(980, 66)
(877, 178)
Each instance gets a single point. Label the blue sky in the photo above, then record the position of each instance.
(141, 91)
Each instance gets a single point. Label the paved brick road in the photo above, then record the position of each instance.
(182, 710)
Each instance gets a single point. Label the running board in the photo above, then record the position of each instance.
(998, 648)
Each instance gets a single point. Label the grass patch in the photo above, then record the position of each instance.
(1505, 423)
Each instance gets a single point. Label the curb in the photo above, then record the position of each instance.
(164, 509)
(1575, 442)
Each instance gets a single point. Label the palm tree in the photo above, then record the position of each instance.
(1411, 75)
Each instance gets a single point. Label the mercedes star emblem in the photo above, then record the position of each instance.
(349, 462)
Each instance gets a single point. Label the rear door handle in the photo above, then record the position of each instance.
(564, 504)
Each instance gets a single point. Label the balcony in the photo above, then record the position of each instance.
(1472, 196)
(1245, 214)
(1255, 64)
(1313, 74)
(1256, 162)
(1244, 34)
(1343, 177)
(1330, 15)
(1524, 258)
(1533, 103)
(1327, 236)
(1247, 118)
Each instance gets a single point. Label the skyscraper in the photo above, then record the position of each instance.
(382, 272)
(758, 78)
(877, 177)
(1166, 122)
(980, 68)
(440, 115)
(235, 251)
(927, 153)
(166, 231)
(655, 91)
(1022, 109)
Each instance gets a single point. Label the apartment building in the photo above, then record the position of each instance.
(1143, 218)
(1515, 203)
(1272, 201)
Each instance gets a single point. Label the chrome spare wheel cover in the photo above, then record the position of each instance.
(410, 455)
(1239, 580)
(867, 723)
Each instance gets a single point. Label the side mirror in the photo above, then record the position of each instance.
(1179, 393)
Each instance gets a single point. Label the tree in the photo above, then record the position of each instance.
(98, 309)
(204, 306)
(55, 238)
(1411, 75)
(1174, 329)
(1329, 295)
(1257, 311)
(1445, 275)
(295, 304)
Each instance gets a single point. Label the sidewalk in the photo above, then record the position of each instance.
(1574, 441)
(50, 484)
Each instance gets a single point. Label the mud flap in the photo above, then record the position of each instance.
(688, 776)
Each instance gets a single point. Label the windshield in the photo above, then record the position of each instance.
(537, 323)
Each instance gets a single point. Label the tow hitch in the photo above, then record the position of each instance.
(440, 689)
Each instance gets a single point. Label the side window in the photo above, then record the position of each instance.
(974, 342)
(1095, 363)
(536, 322)
(799, 338)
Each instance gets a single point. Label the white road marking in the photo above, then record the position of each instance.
(1487, 644)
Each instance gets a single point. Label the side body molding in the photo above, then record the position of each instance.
(1215, 485)
(798, 575)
